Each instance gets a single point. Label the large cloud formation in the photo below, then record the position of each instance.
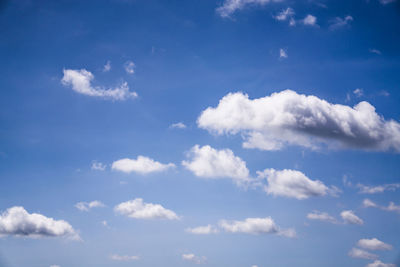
(289, 118)
(138, 209)
(16, 221)
(80, 81)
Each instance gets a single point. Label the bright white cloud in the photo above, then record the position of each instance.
(230, 6)
(80, 81)
(378, 263)
(367, 203)
(321, 216)
(178, 125)
(193, 258)
(202, 230)
(256, 226)
(340, 22)
(310, 20)
(358, 92)
(107, 66)
(391, 207)
(16, 221)
(138, 209)
(362, 254)
(129, 67)
(282, 53)
(292, 183)
(86, 206)
(364, 189)
(349, 217)
(117, 257)
(207, 162)
(285, 14)
(141, 165)
(373, 244)
(288, 118)
(98, 166)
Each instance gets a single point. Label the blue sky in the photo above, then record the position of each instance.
(199, 133)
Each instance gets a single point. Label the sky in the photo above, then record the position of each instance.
(241, 133)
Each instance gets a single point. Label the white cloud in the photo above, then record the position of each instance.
(16, 221)
(98, 166)
(391, 207)
(378, 263)
(129, 67)
(349, 217)
(107, 66)
(358, 92)
(207, 162)
(375, 51)
(292, 183)
(86, 206)
(117, 257)
(230, 6)
(142, 165)
(178, 125)
(282, 53)
(288, 118)
(364, 189)
(373, 244)
(310, 20)
(321, 216)
(202, 230)
(340, 22)
(193, 258)
(286, 14)
(256, 226)
(80, 81)
(367, 203)
(138, 209)
(362, 254)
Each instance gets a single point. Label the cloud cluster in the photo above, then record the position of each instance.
(289, 118)
(286, 14)
(207, 162)
(202, 230)
(98, 166)
(16, 221)
(86, 206)
(193, 258)
(81, 82)
(292, 184)
(370, 244)
(378, 263)
(349, 217)
(231, 6)
(141, 165)
(138, 209)
(321, 216)
(339, 22)
(365, 189)
(367, 203)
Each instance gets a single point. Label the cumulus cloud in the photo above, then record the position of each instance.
(193, 258)
(141, 165)
(292, 184)
(288, 118)
(98, 166)
(80, 81)
(339, 22)
(362, 254)
(378, 263)
(321, 216)
(202, 230)
(373, 244)
(256, 226)
(282, 53)
(16, 221)
(310, 20)
(178, 125)
(129, 67)
(364, 189)
(117, 257)
(138, 209)
(349, 217)
(367, 203)
(207, 162)
(229, 7)
(107, 66)
(86, 206)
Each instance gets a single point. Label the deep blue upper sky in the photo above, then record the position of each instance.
(55, 126)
